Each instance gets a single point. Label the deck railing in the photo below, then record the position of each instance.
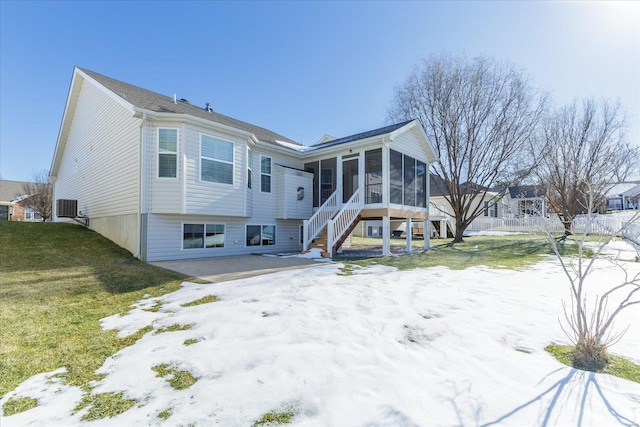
(337, 226)
(314, 225)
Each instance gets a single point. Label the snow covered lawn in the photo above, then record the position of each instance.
(378, 348)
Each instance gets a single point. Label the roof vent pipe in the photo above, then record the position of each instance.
(175, 99)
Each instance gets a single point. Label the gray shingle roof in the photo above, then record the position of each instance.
(362, 135)
(9, 190)
(148, 100)
(527, 191)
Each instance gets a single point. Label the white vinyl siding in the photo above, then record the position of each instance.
(213, 198)
(162, 195)
(265, 174)
(165, 237)
(101, 162)
(265, 205)
(167, 153)
(216, 160)
(294, 198)
(408, 143)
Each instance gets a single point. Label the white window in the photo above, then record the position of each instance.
(167, 153)
(374, 231)
(490, 210)
(265, 174)
(261, 235)
(197, 236)
(30, 214)
(216, 160)
(249, 167)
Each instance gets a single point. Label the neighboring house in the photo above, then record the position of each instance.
(623, 195)
(166, 179)
(494, 205)
(14, 204)
(528, 201)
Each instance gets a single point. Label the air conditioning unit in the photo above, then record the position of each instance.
(66, 208)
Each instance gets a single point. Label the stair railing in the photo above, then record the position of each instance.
(337, 226)
(318, 221)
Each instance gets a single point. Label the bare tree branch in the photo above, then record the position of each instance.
(579, 145)
(481, 116)
(39, 194)
(589, 328)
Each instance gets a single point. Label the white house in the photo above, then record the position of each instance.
(166, 179)
(623, 195)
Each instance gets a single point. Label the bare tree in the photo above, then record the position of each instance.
(480, 115)
(583, 146)
(39, 194)
(589, 320)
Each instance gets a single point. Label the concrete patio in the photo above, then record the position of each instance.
(222, 269)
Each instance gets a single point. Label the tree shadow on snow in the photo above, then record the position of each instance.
(556, 398)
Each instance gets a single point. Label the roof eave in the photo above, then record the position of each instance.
(431, 152)
(345, 146)
(188, 118)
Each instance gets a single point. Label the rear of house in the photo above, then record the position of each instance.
(166, 179)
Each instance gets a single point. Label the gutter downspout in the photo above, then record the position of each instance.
(140, 178)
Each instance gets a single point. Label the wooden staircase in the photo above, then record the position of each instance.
(331, 224)
(436, 225)
(320, 242)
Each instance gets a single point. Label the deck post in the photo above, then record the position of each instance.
(330, 241)
(426, 230)
(386, 235)
(305, 235)
(409, 234)
(443, 228)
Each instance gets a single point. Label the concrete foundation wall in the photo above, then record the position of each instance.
(121, 229)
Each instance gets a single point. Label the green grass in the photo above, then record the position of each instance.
(15, 405)
(58, 281)
(376, 241)
(616, 366)
(284, 417)
(190, 341)
(174, 328)
(104, 405)
(509, 252)
(204, 300)
(155, 307)
(164, 415)
(178, 379)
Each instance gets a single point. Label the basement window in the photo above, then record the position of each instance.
(261, 235)
(198, 236)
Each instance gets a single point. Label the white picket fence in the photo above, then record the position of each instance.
(600, 224)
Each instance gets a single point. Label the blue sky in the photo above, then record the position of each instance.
(302, 69)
